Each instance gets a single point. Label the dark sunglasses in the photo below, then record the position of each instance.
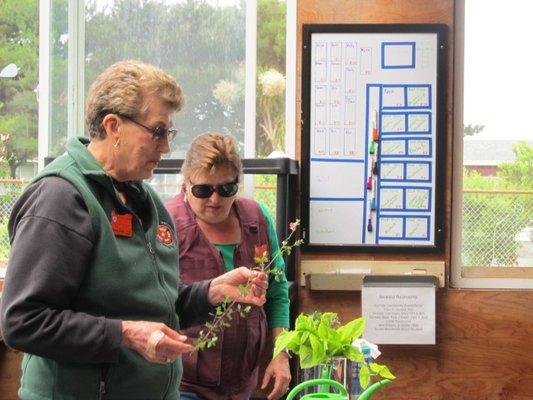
(158, 133)
(204, 191)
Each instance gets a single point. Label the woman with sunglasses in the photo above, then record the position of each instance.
(91, 294)
(217, 232)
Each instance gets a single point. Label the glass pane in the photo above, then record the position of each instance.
(19, 70)
(271, 55)
(201, 43)
(498, 140)
(58, 77)
(265, 191)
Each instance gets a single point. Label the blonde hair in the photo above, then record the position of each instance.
(123, 89)
(209, 151)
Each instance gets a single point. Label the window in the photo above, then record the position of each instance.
(206, 45)
(493, 180)
(229, 57)
(19, 68)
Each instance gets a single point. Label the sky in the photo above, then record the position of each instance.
(498, 79)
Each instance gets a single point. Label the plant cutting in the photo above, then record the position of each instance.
(225, 311)
(319, 338)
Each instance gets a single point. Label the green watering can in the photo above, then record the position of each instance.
(325, 383)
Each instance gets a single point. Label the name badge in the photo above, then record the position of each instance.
(122, 224)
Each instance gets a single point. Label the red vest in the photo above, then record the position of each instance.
(228, 370)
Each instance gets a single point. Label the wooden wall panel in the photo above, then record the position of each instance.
(9, 372)
(482, 352)
(483, 337)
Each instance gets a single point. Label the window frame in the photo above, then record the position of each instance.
(522, 278)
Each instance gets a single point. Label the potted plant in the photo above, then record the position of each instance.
(319, 339)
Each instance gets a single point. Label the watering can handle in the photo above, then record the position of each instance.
(369, 391)
(320, 381)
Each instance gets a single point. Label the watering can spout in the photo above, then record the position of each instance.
(369, 391)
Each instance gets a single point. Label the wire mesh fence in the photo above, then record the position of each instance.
(10, 190)
(497, 228)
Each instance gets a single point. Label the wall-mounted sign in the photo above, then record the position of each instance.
(399, 310)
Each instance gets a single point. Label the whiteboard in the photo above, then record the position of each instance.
(373, 136)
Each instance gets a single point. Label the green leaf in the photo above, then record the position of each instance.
(353, 353)
(287, 340)
(306, 356)
(324, 330)
(303, 322)
(328, 319)
(364, 376)
(319, 352)
(352, 330)
(381, 370)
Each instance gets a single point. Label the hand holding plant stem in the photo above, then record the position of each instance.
(225, 311)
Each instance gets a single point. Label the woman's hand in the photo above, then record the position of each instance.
(155, 341)
(227, 285)
(279, 371)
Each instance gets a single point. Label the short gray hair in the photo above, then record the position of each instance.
(123, 88)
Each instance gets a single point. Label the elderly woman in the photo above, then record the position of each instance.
(218, 231)
(91, 293)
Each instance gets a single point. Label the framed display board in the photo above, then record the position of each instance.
(373, 137)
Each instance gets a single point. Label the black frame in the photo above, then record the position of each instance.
(441, 31)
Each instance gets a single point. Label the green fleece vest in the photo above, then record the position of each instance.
(131, 278)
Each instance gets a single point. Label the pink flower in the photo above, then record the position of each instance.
(294, 225)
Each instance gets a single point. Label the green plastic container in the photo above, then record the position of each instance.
(327, 383)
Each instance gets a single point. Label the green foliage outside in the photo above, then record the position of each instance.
(491, 221)
(271, 39)
(519, 174)
(19, 44)
(4, 238)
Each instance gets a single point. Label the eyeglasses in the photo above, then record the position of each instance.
(158, 133)
(204, 191)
